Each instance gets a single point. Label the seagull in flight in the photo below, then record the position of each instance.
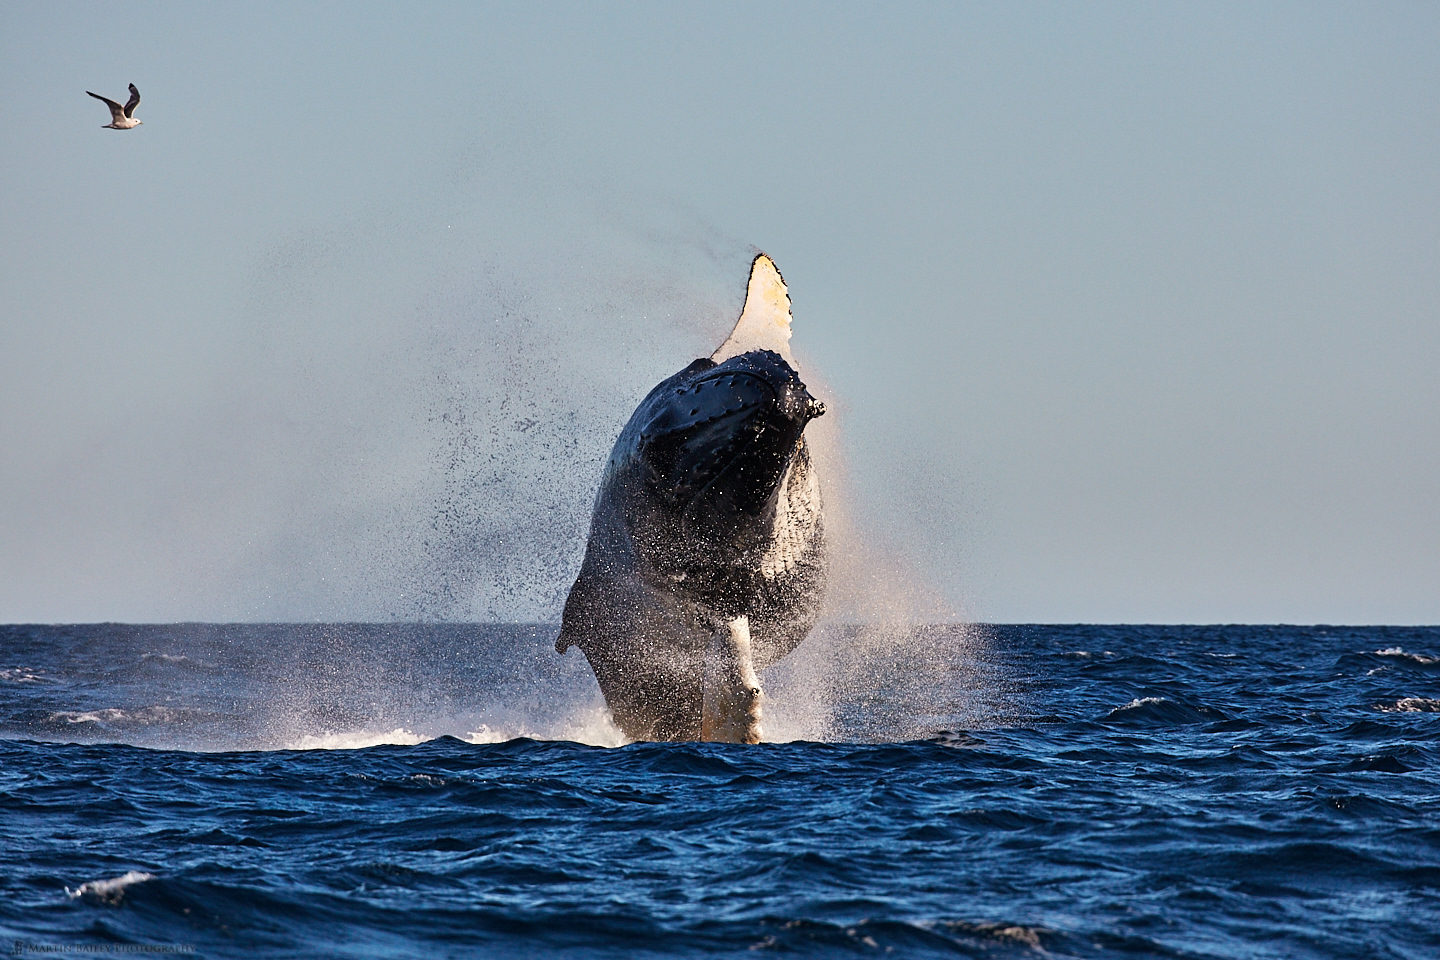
(121, 118)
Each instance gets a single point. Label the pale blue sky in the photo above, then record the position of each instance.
(1127, 312)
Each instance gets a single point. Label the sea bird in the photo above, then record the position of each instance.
(121, 118)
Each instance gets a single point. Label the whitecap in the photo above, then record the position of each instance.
(1410, 705)
(1141, 702)
(594, 727)
(1009, 934)
(356, 739)
(112, 890)
(1413, 657)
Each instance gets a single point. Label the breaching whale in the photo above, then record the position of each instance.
(706, 558)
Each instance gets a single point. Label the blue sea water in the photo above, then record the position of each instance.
(979, 791)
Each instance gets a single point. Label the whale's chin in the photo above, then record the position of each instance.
(732, 473)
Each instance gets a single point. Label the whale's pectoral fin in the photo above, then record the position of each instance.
(764, 322)
(579, 611)
(730, 699)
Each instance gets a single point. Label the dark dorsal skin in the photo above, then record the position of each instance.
(708, 512)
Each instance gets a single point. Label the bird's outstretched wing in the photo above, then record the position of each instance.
(116, 111)
(133, 102)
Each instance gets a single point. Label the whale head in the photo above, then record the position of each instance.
(718, 439)
(711, 476)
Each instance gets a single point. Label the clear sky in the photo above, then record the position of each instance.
(1126, 312)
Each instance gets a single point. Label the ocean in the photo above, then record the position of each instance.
(421, 790)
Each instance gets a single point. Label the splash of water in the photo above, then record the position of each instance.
(890, 660)
(440, 465)
(584, 724)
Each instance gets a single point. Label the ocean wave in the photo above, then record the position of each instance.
(109, 891)
(1163, 710)
(1002, 934)
(20, 675)
(1420, 658)
(1410, 705)
(1404, 760)
(355, 739)
(593, 727)
(924, 938)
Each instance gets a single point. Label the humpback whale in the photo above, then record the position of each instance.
(706, 557)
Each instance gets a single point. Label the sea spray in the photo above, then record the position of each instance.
(878, 667)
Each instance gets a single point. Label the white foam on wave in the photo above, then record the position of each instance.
(593, 727)
(111, 890)
(1410, 705)
(355, 739)
(1413, 657)
(19, 675)
(1010, 934)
